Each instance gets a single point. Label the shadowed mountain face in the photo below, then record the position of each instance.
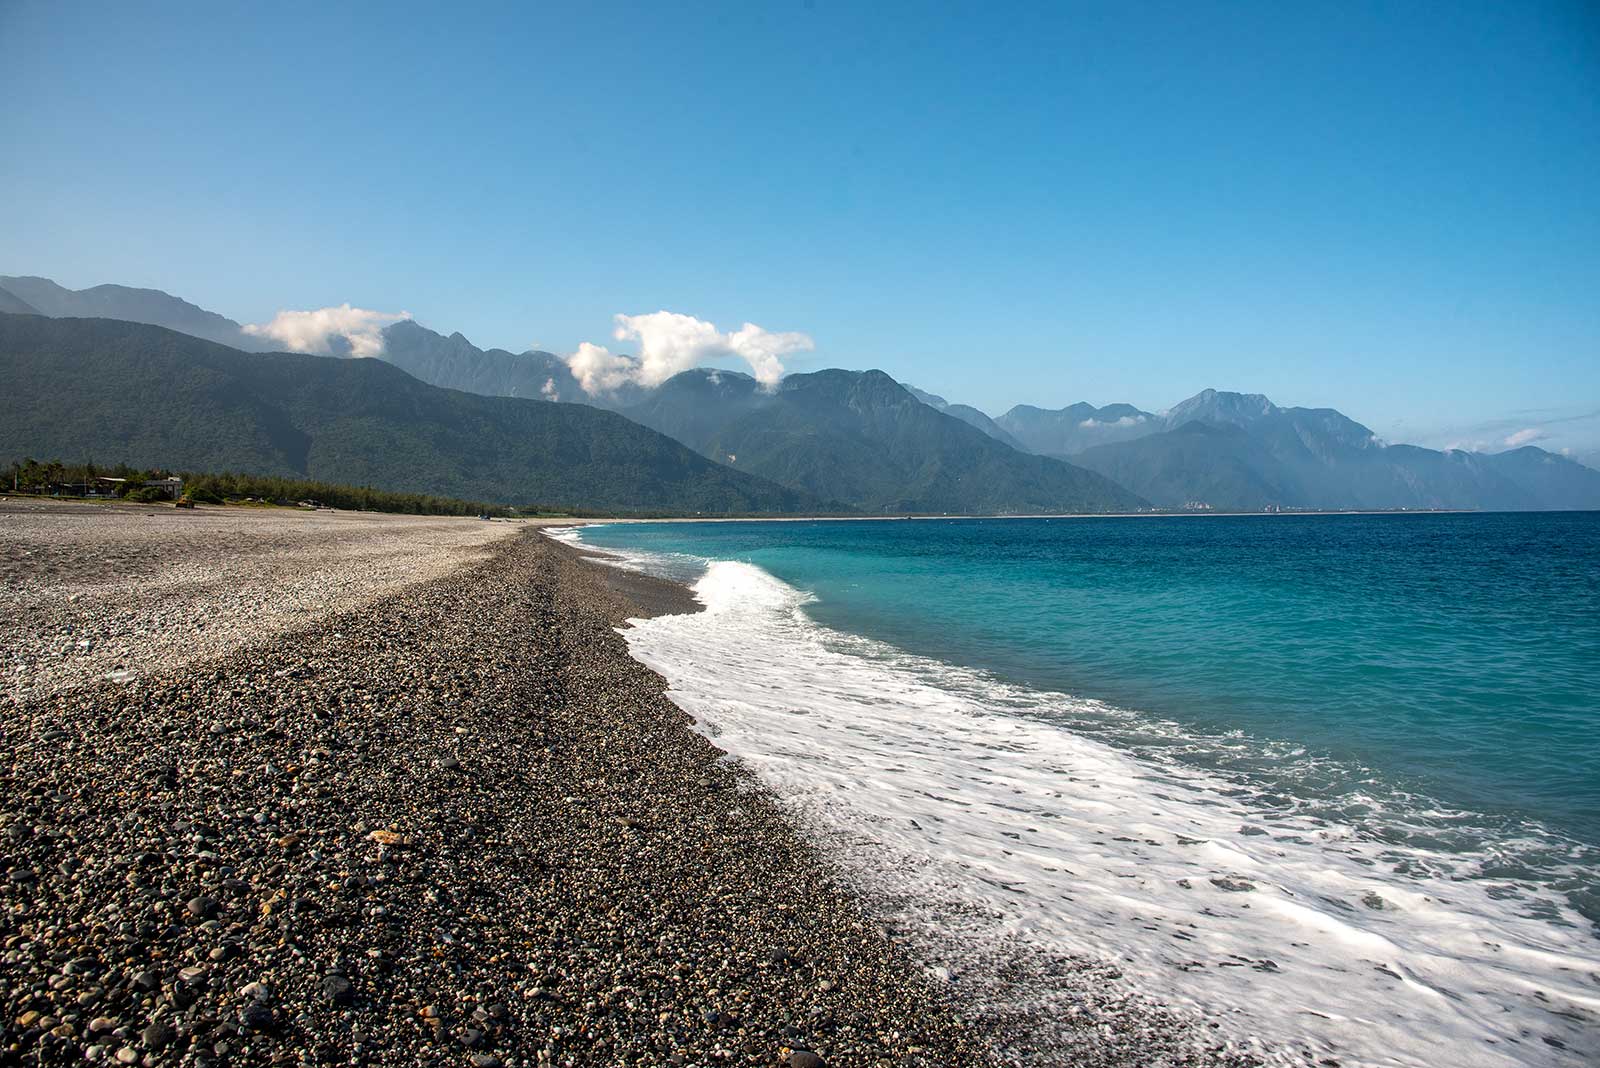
(133, 305)
(110, 391)
(452, 362)
(456, 363)
(1065, 431)
(1071, 430)
(968, 415)
(1314, 463)
(15, 305)
(861, 438)
(1554, 482)
(1241, 452)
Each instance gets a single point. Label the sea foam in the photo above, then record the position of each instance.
(999, 838)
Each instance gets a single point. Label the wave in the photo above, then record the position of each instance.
(1111, 892)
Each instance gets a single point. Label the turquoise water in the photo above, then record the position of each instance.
(1433, 676)
(1325, 787)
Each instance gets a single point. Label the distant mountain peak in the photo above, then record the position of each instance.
(130, 304)
(1223, 406)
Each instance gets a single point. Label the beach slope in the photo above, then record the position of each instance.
(453, 824)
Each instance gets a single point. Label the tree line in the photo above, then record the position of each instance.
(55, 478)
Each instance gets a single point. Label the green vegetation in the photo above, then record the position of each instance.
(84, 388)
(54, 478)
(861, 438)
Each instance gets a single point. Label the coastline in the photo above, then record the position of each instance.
(1211, 899)
(455, 824)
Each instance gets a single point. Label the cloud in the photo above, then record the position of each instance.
(1575, 426)
(329, 331)
(1523, 437)
(599, 370)
(548, 390)
(1127, 420)
(670, 343)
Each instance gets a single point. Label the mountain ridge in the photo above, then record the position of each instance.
(112, 390)
(866, 440)
(1287, 457)
(153, 307)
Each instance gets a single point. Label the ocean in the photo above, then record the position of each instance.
(1318, 787)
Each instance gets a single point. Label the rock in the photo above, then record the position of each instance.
(1234, 885)
(158, 1035)
(338, 990)
(205, 908)
(127, 1055)
(484, 1060)
(256, 1016)
(804, 1058)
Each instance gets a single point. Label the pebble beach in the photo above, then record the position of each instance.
(321, 788)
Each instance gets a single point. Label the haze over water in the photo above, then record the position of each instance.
(1346, 763)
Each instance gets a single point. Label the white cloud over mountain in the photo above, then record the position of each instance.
(1523, 437)
(327, 331)
(670, 343)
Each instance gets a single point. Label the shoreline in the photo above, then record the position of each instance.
(588, 521)
(815, 726)
(1034, 1005)
(458, 824)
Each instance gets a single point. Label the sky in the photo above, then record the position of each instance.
(1390, 209)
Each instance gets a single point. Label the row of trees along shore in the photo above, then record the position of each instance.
(55, 478)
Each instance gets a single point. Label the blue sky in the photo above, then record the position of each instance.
(1392, 209)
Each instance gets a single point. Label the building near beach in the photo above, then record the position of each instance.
(173, 487)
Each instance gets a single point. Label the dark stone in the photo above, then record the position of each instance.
(158, 1035)
(203, 907)
(255, 1016)
(337, 989)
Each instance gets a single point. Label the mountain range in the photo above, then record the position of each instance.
(44, 297)
(862, 438)
(1240, 452)
(859, 440)
(116, 391)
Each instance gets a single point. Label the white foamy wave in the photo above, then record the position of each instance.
(566, 535)
(678, 567)
(1293, 935)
